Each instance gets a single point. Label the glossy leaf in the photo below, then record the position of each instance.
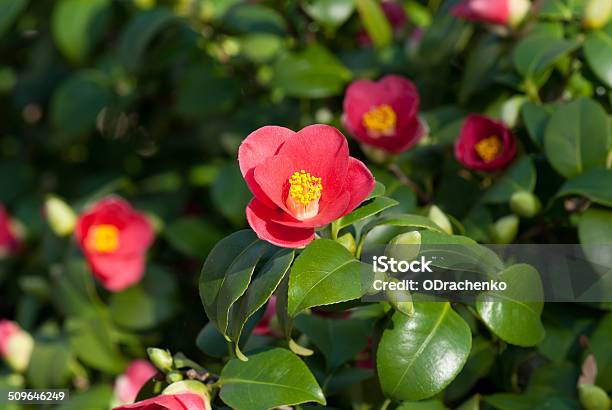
(593, 184)
(537, 53)
(600, 345)
(375, 22)
(9, 11)
(230, 194)
(578, 137)
(270, 379)
(419, 356)
(365, 211)
(340, 340)
(329, 13)
(193, 237)
(323, 274)
(139, 34)
(521, 302)
(227, 273)
(312, 73)
(536, 119)
(260, 289)
(521, 176)
(598, 52)
(72, 23)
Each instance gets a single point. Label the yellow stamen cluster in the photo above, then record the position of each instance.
(381, 119)
(304, 188)
(488, 148)
(103, 238)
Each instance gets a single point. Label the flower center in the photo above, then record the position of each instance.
(380, 121)
(304, 194)
(488, 148)
(103, 238)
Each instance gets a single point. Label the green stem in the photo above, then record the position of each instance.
(385, 404)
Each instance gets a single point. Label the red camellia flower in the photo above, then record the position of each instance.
(186, 401)
(383, 114)
(485, 144)
(395, 15)
(300, 180)
(129, 383)
(500, 12)
(115, 238)
(9, 240)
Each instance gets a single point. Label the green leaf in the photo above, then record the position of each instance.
(521, 176)
(95, 398)
(340, 340)
(147, 304)
(323, 274)
(365, 211)
(230, 194)
(227, 273)
(254, 18)
(329, 13)
(423, 405)
(379, 190)
(76, 104)
(600, 345)
(375, 21)
(139, 33)
(481, 66)
(419, 356)
(536, 119)
(260, 289)
(93, 340)
(9, 11)
(49, 365)
(555, 9)
(595, 228)
(312, 73)
(194, 237)
(593, 184)
(404, 220)
(270, 379)
(598, 53)
(578, 137)
(538, 53)
(71, 26)
(260, 47)
(521, 302)
(480, 361)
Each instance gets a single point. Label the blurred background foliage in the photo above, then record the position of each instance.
(150, 99)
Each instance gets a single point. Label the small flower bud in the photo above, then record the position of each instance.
(401, 300)
(162, 359)
(16, 345)
(593, 397)
(525, 204)
(189, 386)
(518, 11)
(405, 246)
(348, 241)
(505, 229)
(60, 215)
(440, 218)
(597, 13)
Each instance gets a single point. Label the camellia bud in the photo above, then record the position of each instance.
(597, 13)
(440, 218)
(348, 241)
(405, 246)
(401, 300)
(518, 11)
(190, 386)
(505, 229)
(593, 397)
(60, 215)
(525, 204)
(162, 359)
(16, 345)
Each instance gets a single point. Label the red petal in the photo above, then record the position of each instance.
(272, 176)
(185, 401)
(117, 272)
(255, 149)
(332, 211)
(360, 183)
(259, 215)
